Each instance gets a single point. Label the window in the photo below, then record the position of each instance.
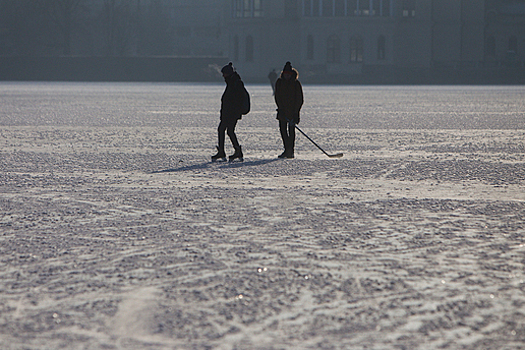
(342, 8)
(376, 7)
(237, 8)
(351, 8)
(247, 8)
(249, 49)
(356, 49)
(236, 48)
(310, 47)
(333, 54)
(409, 8)
(257, 8)
(381, 48)
(328, 9)
(364, 7)
(339, 8)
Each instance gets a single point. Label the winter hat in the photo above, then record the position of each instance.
(228, 69)
(287, 68)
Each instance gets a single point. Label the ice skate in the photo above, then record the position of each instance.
(287, 154)
(237, 155)
(220, 156)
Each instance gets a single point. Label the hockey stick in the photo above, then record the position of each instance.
(337, 155)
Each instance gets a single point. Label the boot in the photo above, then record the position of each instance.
(237, 155)
(288, 153)
(219, 156)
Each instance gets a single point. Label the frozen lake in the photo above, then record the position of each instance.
(117, 233)
(197, 105)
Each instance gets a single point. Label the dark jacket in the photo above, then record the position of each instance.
(231, 101)
(289, 97)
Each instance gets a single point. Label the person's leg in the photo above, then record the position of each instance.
(283, 126)
(220, 147)
(221, 130)
(291, 140)
(230, 129)
(231, 133)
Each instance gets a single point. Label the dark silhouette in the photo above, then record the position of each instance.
(231, 112)
(273, 78)
(289, 100)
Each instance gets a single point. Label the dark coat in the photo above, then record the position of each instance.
(231, 101)
(289, 97)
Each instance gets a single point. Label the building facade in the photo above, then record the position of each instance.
(340, 41)
(356, 40)
(504, 33)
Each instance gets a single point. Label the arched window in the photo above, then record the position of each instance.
(356, 49)
(333, 54)
(249, 49)
(310, 47)
(236, 48)
(381, 48)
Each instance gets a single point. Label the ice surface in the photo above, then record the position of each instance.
(116, 232)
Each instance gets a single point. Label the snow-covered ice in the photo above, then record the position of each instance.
(116, 232)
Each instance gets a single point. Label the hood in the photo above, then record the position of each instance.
(295, 74)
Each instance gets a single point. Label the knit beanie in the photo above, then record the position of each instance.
(228, 69)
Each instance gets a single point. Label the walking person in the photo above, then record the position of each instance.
(289, 100)
(231, 112)
(272, 76)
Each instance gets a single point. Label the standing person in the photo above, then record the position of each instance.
(289, 100)
(231, 112)
(273, 78)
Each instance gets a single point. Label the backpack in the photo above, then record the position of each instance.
(245, 101)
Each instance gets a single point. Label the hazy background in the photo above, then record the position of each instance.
(330, 41)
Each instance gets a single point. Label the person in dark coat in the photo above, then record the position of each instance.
(231, 107)
(289, 100)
